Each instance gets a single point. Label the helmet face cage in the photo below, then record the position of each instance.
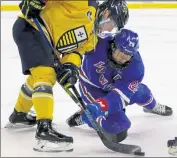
(118, 58)
(117, 18)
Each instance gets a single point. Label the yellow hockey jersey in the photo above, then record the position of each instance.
(70, 24)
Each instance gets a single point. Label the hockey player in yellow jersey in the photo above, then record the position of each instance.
(72, 27)
(70, 24)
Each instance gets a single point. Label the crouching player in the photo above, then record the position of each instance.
(110, 79)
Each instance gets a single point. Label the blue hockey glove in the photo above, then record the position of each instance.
(98, 108)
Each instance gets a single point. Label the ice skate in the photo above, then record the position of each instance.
(160, 109)
(49, 140)
(75, 120)
(21, 120)
(172, 145)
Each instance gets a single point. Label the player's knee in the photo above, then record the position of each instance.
(121, 136)
(43, 91)
(44, 79)
(143, 90)
(142, 94)
(121, 132)
(116, 123)
(43, 75)
(117, 137)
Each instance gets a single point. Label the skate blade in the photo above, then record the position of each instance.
(173, 151)
(17, 125)
(46, 146)
(32, 113)
(151, 112)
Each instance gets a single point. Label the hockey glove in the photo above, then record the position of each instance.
(99, 108)
(68, 75)
(32, 8)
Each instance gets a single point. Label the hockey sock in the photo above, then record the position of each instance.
(150, 104)
(24, 101)
(42, 97)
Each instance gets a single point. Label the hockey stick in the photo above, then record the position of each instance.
(118, 147)
(38, 24)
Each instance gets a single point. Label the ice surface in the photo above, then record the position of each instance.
(158, 46)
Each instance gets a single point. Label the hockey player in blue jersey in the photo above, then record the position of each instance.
(110, 79)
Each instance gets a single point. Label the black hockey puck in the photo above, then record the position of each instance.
(139, 153)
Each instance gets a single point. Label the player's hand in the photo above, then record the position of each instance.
(99, 108)
(68, 75)
(32, 8)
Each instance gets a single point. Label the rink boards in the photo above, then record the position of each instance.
(13, 6)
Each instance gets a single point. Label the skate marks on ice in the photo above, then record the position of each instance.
(151, 132)
(21, 142)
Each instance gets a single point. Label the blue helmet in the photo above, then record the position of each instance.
(127, 42)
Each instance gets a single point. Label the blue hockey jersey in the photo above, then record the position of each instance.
(96, 72)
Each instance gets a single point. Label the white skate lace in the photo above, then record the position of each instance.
(79, 120)
(160, 109)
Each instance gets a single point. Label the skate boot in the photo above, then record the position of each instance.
(49, 140)
(75, 119)
(172, 145)
(21, 120)
(160, 110)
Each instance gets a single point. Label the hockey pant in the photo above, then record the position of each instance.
(117, 121)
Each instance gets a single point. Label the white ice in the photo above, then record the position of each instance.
(158, 46)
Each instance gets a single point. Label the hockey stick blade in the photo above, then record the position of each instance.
(123, 148)
(117, 147)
